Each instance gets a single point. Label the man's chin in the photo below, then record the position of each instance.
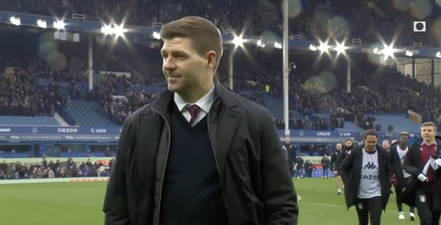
(173, 88)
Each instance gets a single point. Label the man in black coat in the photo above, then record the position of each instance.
(309, 168)
(201, 154)
(335, 165)
(426, 194)
(300, 167)
(365, 173)
(397, 154)
(291, 154)
(349, 146)
(325, 166)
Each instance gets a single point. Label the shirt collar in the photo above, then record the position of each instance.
(204, 103)
(434, 143)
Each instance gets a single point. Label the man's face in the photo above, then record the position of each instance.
(386, 144)
(348, 144)
(182, 66)
(404, 139)
(428, 133)
(287, 140)
(338, 146)
(370, 142)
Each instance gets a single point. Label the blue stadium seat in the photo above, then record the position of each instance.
(88, 113)
(400, 122)
(29, 121)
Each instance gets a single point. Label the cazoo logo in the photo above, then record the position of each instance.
(67, 130)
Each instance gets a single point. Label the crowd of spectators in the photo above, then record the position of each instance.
(312, 88)
(320, 90)
(19, 96)
(51, 169)
(365, 20)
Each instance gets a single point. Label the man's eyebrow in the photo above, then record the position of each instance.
(174, 52)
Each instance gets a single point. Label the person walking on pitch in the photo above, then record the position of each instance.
(365, 173)
(397, 154)
(335, 164)
(423, 161)
(325, 166)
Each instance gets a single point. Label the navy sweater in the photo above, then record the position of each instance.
(192, 192)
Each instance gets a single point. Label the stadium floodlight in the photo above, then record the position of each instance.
(409, 53)
(438, 54)
(388, 51)
(340, 48)
(323, 47)
(106, 29)
(15, 20)
(119, 30)
(42, 23)
(312, 48)
(59, 25)
(156, 35)
(237, 41)
(278, 45)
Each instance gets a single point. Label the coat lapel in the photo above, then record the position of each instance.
(224, 118)
(149, 140)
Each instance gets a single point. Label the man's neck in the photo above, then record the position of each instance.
(370, 150)
(429, 142)
(192, 96)
(402, 145)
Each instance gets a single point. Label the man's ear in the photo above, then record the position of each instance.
(211, 60)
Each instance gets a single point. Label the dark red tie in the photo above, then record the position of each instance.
(193, 110)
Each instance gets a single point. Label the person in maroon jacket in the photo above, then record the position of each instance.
(428, 189)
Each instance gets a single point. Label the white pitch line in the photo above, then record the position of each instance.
(336, 206)
(323, 204)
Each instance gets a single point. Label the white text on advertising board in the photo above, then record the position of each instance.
(324, 134)
(67, 130)
(98, 131)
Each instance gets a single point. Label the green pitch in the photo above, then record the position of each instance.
(81, 203)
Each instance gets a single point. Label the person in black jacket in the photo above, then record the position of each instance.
(291, 154)
(335, 166)
(200, 154)
(309, 168)
(365, 173)
(300, 167)
(349, 146)
(325, 166)
(426, 194)
(396, 159)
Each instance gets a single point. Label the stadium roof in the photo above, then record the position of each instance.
(142, 35)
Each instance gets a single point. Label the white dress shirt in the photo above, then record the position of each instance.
(204, 105)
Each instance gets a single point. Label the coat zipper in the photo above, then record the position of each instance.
(217, 166)
(165, 166)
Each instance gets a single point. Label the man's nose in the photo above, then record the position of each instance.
(168, 64)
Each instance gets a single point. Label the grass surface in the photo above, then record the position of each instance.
(81, 203)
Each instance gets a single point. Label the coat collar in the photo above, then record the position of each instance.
(224, 118)
(164, 103)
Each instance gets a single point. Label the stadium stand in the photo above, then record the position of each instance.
(49, 84)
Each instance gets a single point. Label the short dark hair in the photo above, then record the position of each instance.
(369, 132)
(404, 133)
(205, 36)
